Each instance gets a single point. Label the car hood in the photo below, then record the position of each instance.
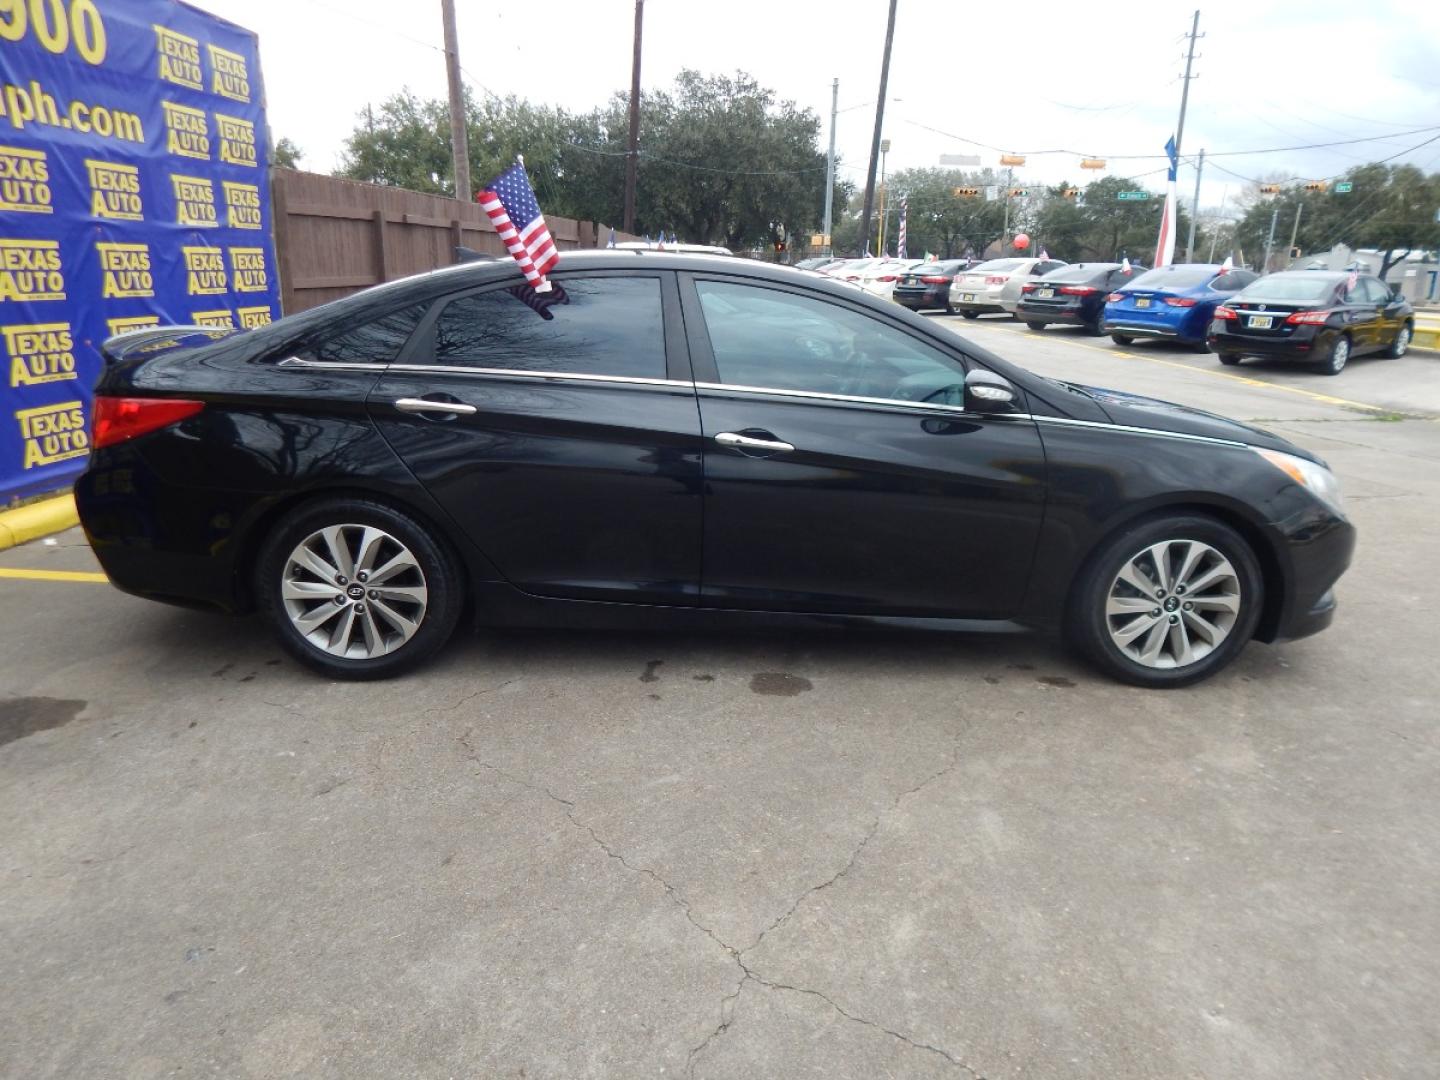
(1133, 410)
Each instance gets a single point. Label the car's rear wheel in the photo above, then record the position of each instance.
(1199, 346)
(1401, 344)
(1337, 358)
(1122, 339)
(970, 314)
(1229, 359)
(1168, 602)
(1037, 326)
(1093, 328)
(357, 589)
(949, 309)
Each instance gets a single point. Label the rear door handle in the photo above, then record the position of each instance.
(746, 442)
(424, 405)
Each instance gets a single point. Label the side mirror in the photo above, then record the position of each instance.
(986, 392)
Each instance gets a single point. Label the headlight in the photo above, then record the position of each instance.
(1313, 477)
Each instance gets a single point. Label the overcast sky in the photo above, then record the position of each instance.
(1098, 79)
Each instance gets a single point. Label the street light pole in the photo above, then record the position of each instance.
(1194, 210)
(830, 161)
(1294, 232)
(879, 123)
(1270, 240)
(884, 150)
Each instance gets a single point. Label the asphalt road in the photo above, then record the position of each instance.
(563, 855)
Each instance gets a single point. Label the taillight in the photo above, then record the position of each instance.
(1077, 290)
(117, 419)
(886, 277)
(935, 280)
(1115, 298)
(1179, 301)
(1224, 314)
(996, 279)
(1027, 288)
(1310, 318)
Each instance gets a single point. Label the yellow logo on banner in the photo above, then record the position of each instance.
(126, 323)
(242, 205)
(179, 58)
(204, 271)
(114, 190)
(127, 270)
(194, 200)
(228, 75)
(52, 433)
(40, 353)
(251, 317)
(186, 132)
(247, 266)
(24, 181)
(221, 318)
(30, 270)
(237, 140)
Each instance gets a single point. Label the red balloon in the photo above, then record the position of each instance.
(1021, 242)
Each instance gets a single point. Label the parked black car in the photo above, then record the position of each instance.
(928, 286)
(1073, 294)
(671, 438)
(1323, 317)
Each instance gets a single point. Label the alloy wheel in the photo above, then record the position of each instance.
(354, 591)
(1402, 342)
(1340, 354)
(1173, 604)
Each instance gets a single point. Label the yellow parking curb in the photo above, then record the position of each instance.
(52, 575)
(37, 519)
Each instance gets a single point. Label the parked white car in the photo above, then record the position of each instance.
(995, 285)
(879, 280)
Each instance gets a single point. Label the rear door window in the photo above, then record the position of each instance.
(376, 342)
(1375, 291)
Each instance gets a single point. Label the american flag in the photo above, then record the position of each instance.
(904, 214)
(510, 202)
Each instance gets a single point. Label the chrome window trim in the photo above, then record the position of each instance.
(501, 373)
(816, 395)
(330, 365)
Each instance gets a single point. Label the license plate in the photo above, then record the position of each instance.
(1142, 301)
(1045, 294)
(967, 297)
(1259, 322)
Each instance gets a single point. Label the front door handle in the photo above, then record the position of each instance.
(424, 405)
(746, 442)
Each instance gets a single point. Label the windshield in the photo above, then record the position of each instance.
(1290, 287)
(1000, 264)
(1185, 277)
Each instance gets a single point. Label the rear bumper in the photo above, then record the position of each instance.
(1142, 328)
(1305, 343)
(938, 297)
(1036, 313)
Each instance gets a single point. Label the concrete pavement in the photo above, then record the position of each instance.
(835, 855)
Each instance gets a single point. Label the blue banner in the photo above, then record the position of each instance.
(132, 193)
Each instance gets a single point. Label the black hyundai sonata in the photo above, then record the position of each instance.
(669, 439)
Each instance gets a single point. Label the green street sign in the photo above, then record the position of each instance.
(1133, 196)
(1344, 187)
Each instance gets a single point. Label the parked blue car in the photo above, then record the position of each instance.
(1173, 302)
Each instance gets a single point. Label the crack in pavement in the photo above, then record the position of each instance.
(471, 697)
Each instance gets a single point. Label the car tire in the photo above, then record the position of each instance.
(1036, 326)
(1229, 359)
(1112, 622)
(1338, 357)
(1401, 345)
(1199, 346)
(1092, 329)
(1122, 339)
(967, 313)
(389, 624)
(949, 309)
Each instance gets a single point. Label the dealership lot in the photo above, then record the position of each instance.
(845, 855)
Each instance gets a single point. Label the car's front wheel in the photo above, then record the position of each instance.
(1036, 326)
(1122, 339)
(1229, 359)
(1168, 602)
(970, 314)
(1401, 344)
(357, 589)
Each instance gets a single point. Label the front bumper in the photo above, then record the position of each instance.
(1319, 548)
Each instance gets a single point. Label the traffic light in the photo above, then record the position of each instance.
(1069, 192)
(1018, 192)
(1269, 189)
(1315, 185)
(966, 192)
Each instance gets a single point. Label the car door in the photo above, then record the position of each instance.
(1362, 317)
(1387, 312)
(560, 432)
(842, 473)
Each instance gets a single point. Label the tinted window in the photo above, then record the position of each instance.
(1000, 264)
(1232, 280)
(1167, 278)
(375, 342)
(767, 338)
(1080, 272)
(599, 326)
(1302, 287)
(1375, 291)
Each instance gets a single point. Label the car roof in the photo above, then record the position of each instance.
(1316, 275)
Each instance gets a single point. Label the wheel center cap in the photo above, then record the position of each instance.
(355, 592)
(1171, 604)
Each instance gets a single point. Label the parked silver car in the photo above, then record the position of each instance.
(995, 285)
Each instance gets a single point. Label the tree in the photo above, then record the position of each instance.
(940, 220)
(286, 154)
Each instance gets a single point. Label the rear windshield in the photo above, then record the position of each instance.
(1290, 287)
(1172, 279)
(1079, 272)
(999, 264)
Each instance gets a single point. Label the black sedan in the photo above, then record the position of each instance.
(675, 439)
(1073, 295)
(1322, 317)
(927, 286)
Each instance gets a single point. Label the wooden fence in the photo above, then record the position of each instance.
(334, 237)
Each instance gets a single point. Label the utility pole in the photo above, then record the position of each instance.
(1005, 229)
(875, 139)
(632, 145)
(1270, 240)
(459, 141)
(830, 160)
(884, 151)
(1294, 232)
(1220, 217)
(1185, 92)
(1194, 210)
